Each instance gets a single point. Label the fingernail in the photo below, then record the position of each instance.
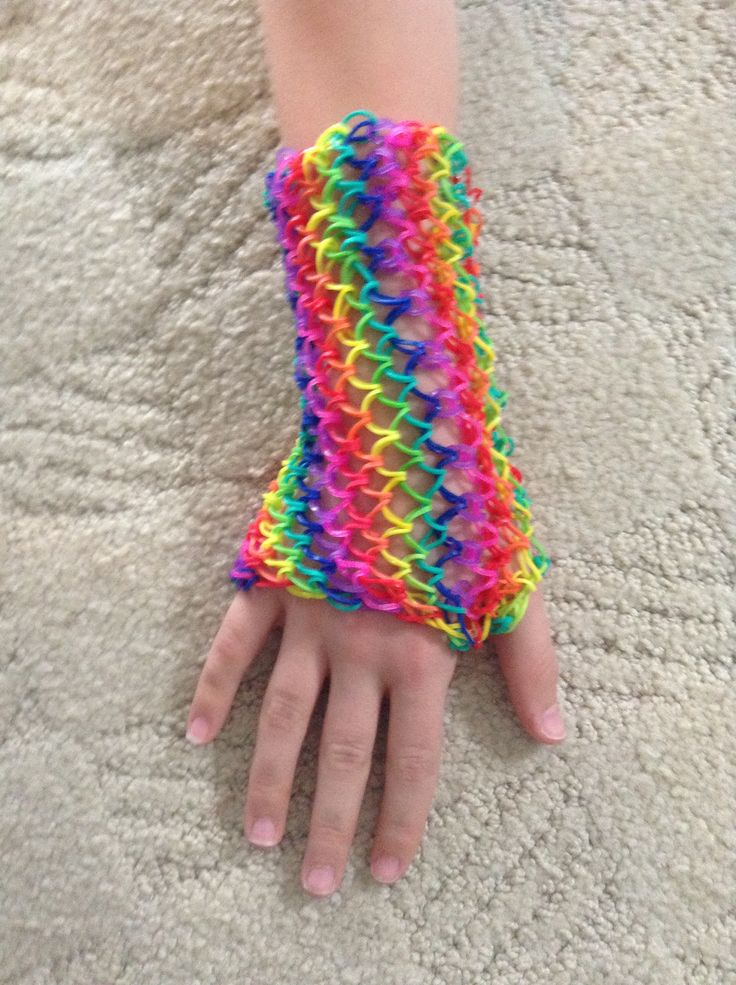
(386, 868)
(197, 731)
(263, 832)
(552, 725)
(320, 880)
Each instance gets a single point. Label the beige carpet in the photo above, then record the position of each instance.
(146, 400)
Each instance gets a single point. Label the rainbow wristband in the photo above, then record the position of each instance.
(374, 507)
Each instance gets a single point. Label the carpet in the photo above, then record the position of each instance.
(146, 399)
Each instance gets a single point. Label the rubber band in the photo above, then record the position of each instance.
(375, 507)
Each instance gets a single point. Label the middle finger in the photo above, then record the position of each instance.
(346, 751)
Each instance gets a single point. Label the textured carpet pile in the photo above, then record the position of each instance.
(146, 400)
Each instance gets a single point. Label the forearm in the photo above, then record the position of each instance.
(398, 494)
(396, 58)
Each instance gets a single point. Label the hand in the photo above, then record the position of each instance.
(366, 654)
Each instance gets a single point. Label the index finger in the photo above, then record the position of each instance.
(413, 757)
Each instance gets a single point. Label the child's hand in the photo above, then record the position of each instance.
(366, 654)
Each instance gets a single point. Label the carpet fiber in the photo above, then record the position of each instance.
(146, 400)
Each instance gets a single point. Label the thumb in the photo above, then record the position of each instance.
(528, 662)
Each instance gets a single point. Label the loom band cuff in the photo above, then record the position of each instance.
(372, 387)
(415, 547)
(353, 135)
(433, 410)
(374, 214)
(305, 586)
(400, 136)
(350, 571)
(428, 588)
(415, 451)
(435, 355)
(421, 498)
(355, 240)
(417, 562)
(416, 351)
(451, 253)
(416, 456)
(323, 212)
(466, 458)
(502, 443)
(367, 320)
(392, 607)
(470, 594)
(533, 570)
(448, 454)
(409, 347)
(416, 609)
(382, 589)
(427, 591)
(497, 396)
(343, 579)
(387, 436)
(451, 603)
(315, 578)
(385, 331)
(427, 546)
(470, 429)
(368, 557)
(473, 507)
(509, 481)
(454, 550)
(401, 567)
(320, 246)
(398, 524)
(343, 601)
(390, 254)
(405, 414)
(339, 222)
(447, 402)
(365, 165)
(349, 188)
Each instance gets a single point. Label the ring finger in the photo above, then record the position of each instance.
(288, 703)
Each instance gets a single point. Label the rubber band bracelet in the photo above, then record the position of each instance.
(398, 494)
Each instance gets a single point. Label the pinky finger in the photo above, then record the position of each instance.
(239, 639)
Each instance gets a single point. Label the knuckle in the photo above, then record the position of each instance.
(405, 829)
(333, 824)
(357, 636)
(414, 669)
(414, 764)
(212, 678)
(401, 835)
(222, 656)
(283, 710)
(265, 775)
(345, 753)
(225, 646)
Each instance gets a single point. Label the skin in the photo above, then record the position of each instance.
(397, 58)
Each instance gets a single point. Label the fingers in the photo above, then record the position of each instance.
(529, 664)
(413, 756)
(239, 639)
(345, 756)
(292, 693)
